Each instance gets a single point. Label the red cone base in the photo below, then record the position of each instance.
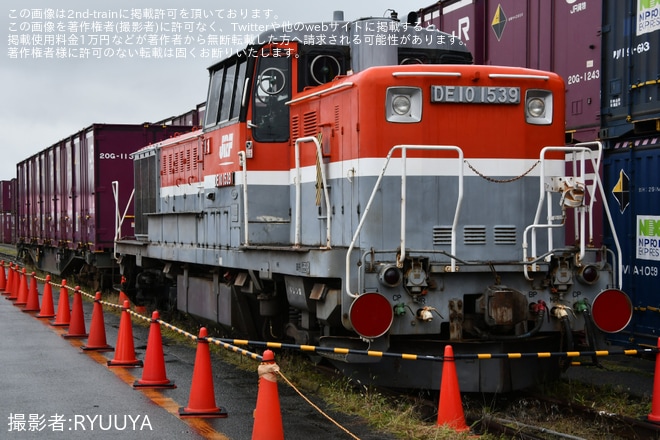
(96, 340)
(201, 402)
(153, 375)
(450, 407)
(125, 350)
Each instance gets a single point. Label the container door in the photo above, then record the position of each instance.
(633, 190)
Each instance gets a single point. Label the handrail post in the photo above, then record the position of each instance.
(459, 202)
(298, 221)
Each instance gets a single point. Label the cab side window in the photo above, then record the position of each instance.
(271, 91)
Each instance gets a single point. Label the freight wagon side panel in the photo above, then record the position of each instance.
(21, 197)
(5, 196)
(68, 195)
(631, 84)
(110, 153)
(109, 150)
(7, 226)
(51, 200)
(633, 190)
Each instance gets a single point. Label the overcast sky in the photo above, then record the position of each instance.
(48, 98)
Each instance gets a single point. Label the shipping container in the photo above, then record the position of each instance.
(561, 36)
(192, 118)
(631, 70)
(7, 227)
(67, 206)
(631, 176)
(7, 195)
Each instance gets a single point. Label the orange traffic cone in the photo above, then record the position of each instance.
(125, 350)
(123, 297)
(32, 304)
(21, 300)
(77, 325)
(153, 375)
(201, 402)
(97, 340)
(15, 283)
(3, 276)
(267, 415)
(47, 309)
(450, 407)
(654, 416)
(63, 316)
(10, 281)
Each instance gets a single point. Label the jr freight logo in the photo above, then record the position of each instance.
(648, 16)
(499, 22)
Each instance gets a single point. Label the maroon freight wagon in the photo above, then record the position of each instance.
(67, 212)
(561, 36)
(7, 211)
(7, 189)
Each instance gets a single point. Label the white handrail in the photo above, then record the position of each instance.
(119, 219)
(587, 154)
(243, 164)
(459, 201)
(298, 223)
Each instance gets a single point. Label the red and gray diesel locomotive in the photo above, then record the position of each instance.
(363, 185)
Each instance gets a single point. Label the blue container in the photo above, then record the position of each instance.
(631, 67)
(632, 185)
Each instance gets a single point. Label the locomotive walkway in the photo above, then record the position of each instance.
(52, 389)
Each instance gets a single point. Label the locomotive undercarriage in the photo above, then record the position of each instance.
(474, 310)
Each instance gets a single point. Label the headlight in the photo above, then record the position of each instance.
(390, 275)
(588, 274)
(403, 104)
(538, 107)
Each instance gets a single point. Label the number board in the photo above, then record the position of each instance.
(475, 95)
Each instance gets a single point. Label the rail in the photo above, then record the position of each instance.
(404, 149)
(585, 154)
(298, 224)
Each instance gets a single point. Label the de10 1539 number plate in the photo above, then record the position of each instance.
(475, 95)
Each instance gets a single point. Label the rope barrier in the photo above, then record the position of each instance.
(216, 341)
(440, 358)
(232, 345)
(315, 406)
